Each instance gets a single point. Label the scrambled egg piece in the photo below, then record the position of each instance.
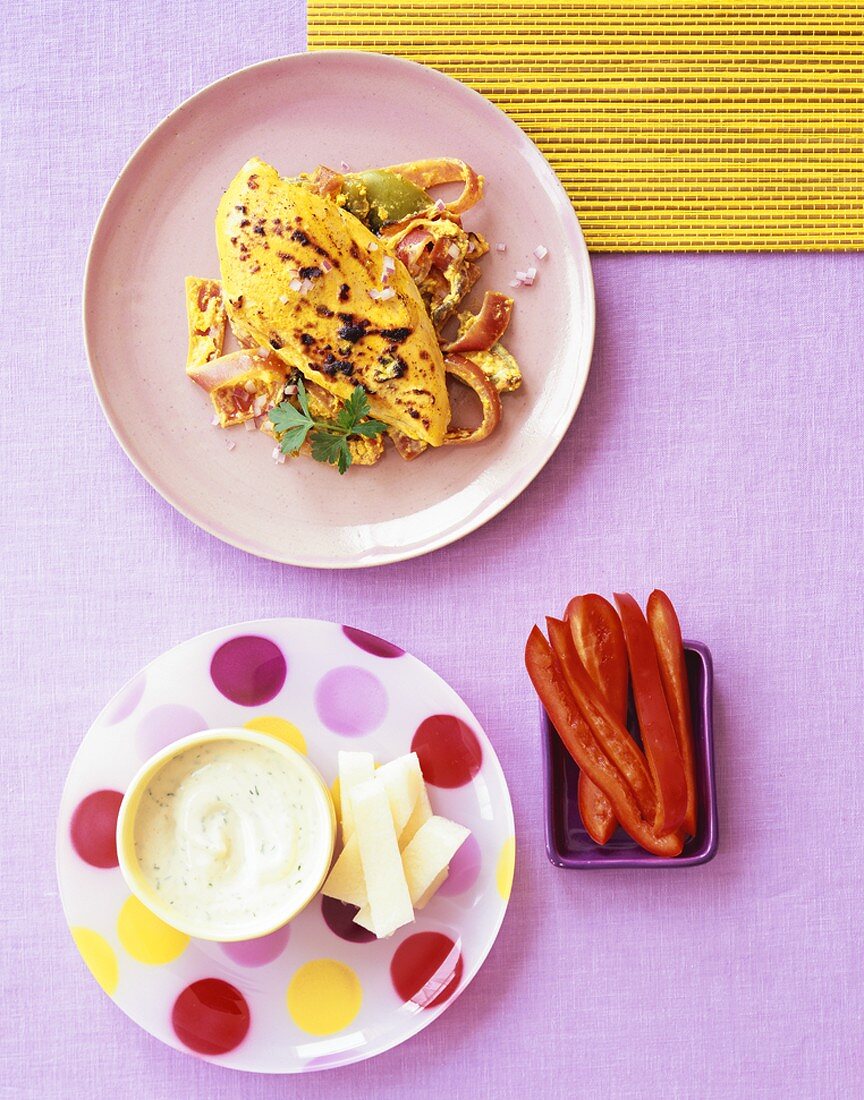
(497, 363)
(449, 272)
(206, 315)
(247, 387)
(307, 279)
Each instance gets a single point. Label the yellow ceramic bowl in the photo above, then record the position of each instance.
(227, 821)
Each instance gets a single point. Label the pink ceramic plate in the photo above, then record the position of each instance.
(320, 992)
(157, 227)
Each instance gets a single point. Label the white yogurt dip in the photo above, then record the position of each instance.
(229, 834)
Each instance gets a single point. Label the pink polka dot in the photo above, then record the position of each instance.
(128, 700)
(211, 1016)
(426, 969)
(258, 952)
(339, 916)
(350, 701)
(450, 754)
(164, 724)
(93, 828)
(249, 670)
(371, 643)
(464, 869)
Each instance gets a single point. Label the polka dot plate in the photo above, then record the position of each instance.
(320, 992)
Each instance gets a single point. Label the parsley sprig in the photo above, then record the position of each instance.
(328, 438)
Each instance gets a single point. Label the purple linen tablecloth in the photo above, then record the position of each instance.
(716, 452)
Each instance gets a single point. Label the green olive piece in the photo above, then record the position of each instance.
(378, 198)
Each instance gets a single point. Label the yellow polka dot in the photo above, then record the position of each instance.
(279, 727)
(99, 956)
(324, 996)
(147, 938)
(506, 866)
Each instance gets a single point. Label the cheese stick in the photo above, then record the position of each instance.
(354, 768)
(429, 853)
(420, 815)
(424, 899)
(402, 780)
(389, 899)
(345, 881)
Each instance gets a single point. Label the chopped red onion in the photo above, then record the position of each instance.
(345, 166)
(306, 286)
(295, 284)
(382, 295)
(500, 247)
(516, 282)
(371, 247)
(453, 251)
(521, 276)
(249, 425)
(387, 268)
(439, 205)
(230, 444)
(215, 421)
(531, 273)
(541, 252)
(326, 265)
(275, 453)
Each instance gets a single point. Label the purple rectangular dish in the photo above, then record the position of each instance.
(567, 843)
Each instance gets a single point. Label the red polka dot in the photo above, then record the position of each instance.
(211, 1016)
(426, 969)
(339, 916)
(449, 752)
(249, 670)
(93, 829)
(371, 643)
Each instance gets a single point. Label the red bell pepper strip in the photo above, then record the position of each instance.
(595, 809)
(612, 737)
(599, 641)
(655, 723)
(669, 645)
(549, 682)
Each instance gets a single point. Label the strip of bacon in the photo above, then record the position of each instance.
(488, 326)
(227, 367)
(241, 385)
(434, 173)
(473, 376)
(415, 251)
(406, 447)
(326, 182)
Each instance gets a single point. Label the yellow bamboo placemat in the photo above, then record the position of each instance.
(674, 125)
